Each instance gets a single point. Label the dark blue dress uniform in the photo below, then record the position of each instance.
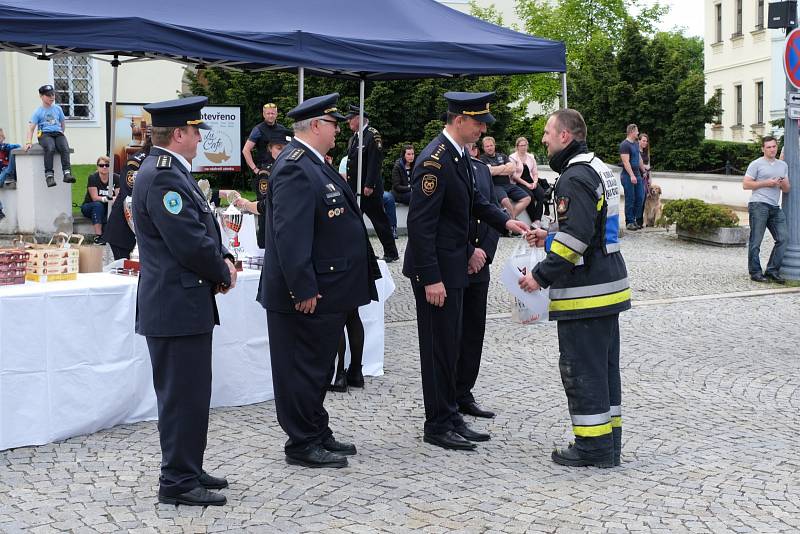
(278, 135)
(371, 205)
(443, 200)
(589, 287)
(316, 244)
(482, 236)
(118, 233)
(182, 264)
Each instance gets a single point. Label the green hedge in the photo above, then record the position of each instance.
(713, 155)
(696, 216)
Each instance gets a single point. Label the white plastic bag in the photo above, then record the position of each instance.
(528, 308)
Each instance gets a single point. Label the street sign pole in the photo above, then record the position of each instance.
(791, 143)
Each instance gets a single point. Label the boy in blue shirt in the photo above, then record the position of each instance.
(8, 177)
(49, 122)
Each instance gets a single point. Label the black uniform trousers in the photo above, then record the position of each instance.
(536, 208)
(473, 329)
(182, 380)
(589, 365)
(303, 352)
(439, 339)
(372, 207)
(120, 252)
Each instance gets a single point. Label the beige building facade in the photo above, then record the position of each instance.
(83, 85)
(743, 64)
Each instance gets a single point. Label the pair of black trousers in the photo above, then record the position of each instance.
(589, 365)
(536, 208)
(372, 207)
(182, 380)
(120, 252)
(439, 330)
(355, 334)
(473, 331)
(302, 352)
(52, 143)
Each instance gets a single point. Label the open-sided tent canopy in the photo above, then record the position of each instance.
(373, 39)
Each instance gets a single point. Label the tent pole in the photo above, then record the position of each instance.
(360, 134)
(564, 90)
(301, 81)
(112, 127)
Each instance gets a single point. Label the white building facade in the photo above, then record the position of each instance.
(744, 65)
(83, 86)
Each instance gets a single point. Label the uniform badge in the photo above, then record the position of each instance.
(130, 178)
(330, 187)
(263, 185)
(164, 162)
(331, 214)
(337, 212)
(433, 164)
(429, 182)
(295, 154)
(173, 202)
(562, 206)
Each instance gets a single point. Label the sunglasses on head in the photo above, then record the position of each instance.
(103, 165)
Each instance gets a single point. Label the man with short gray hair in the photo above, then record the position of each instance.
(767, 177)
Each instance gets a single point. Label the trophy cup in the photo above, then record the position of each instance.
(231, 222)
(131, 265)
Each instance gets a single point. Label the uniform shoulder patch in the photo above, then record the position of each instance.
(562, 206)
(438, 152)
(263, 186)
(433, 164)
(429, 183)
(133, 163)
(296, 154)
(164, 162)
(130, 178)
(173, 202)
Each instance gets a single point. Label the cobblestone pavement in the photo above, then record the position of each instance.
(711, 397)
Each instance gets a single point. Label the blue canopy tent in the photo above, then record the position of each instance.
(360, 39)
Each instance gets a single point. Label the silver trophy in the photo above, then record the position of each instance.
(127, 212)
(231, 222)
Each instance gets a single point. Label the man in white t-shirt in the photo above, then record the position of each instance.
(767, 177)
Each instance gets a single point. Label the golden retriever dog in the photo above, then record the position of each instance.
(652, 205)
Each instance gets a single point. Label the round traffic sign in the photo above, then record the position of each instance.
(791, 58)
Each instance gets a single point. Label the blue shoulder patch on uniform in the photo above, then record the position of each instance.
(173, 202)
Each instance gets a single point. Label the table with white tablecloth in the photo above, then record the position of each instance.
(71, 364)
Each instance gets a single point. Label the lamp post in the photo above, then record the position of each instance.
(790, 268)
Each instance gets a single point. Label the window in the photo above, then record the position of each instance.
(759, 102)
(738, 18)
(738, 91)
(73, 80)
(718, 117)
(759, 14)
(718, 19)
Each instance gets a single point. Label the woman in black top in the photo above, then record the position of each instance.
(401, 176)
(95, 203)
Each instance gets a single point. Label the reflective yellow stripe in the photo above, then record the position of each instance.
(616, 421)
(600, 204)
(592, 431)
(565, 252)
(590, 302)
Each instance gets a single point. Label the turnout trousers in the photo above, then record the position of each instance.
(589, 365)
(439, 332)
(182, 380)
(303, 355)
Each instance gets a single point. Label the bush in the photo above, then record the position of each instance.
(695, 215)
(714, 154)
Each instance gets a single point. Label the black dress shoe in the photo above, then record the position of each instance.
(50, 179)
(449, 440)
(316, 456)
(472, 408)
(339, 383)
(778, 279)
(68, 178)
(339, 447)
(198, 496)
(467, 433)
(390, 259)
(572, 457)
(354, 377)
(758, 277)
(209, 482)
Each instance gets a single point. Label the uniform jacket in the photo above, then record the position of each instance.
(481, 235)
(316, 241)
(117, 232)
(584, 280)
(373, 159)
(443, 200)
(180, 251)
